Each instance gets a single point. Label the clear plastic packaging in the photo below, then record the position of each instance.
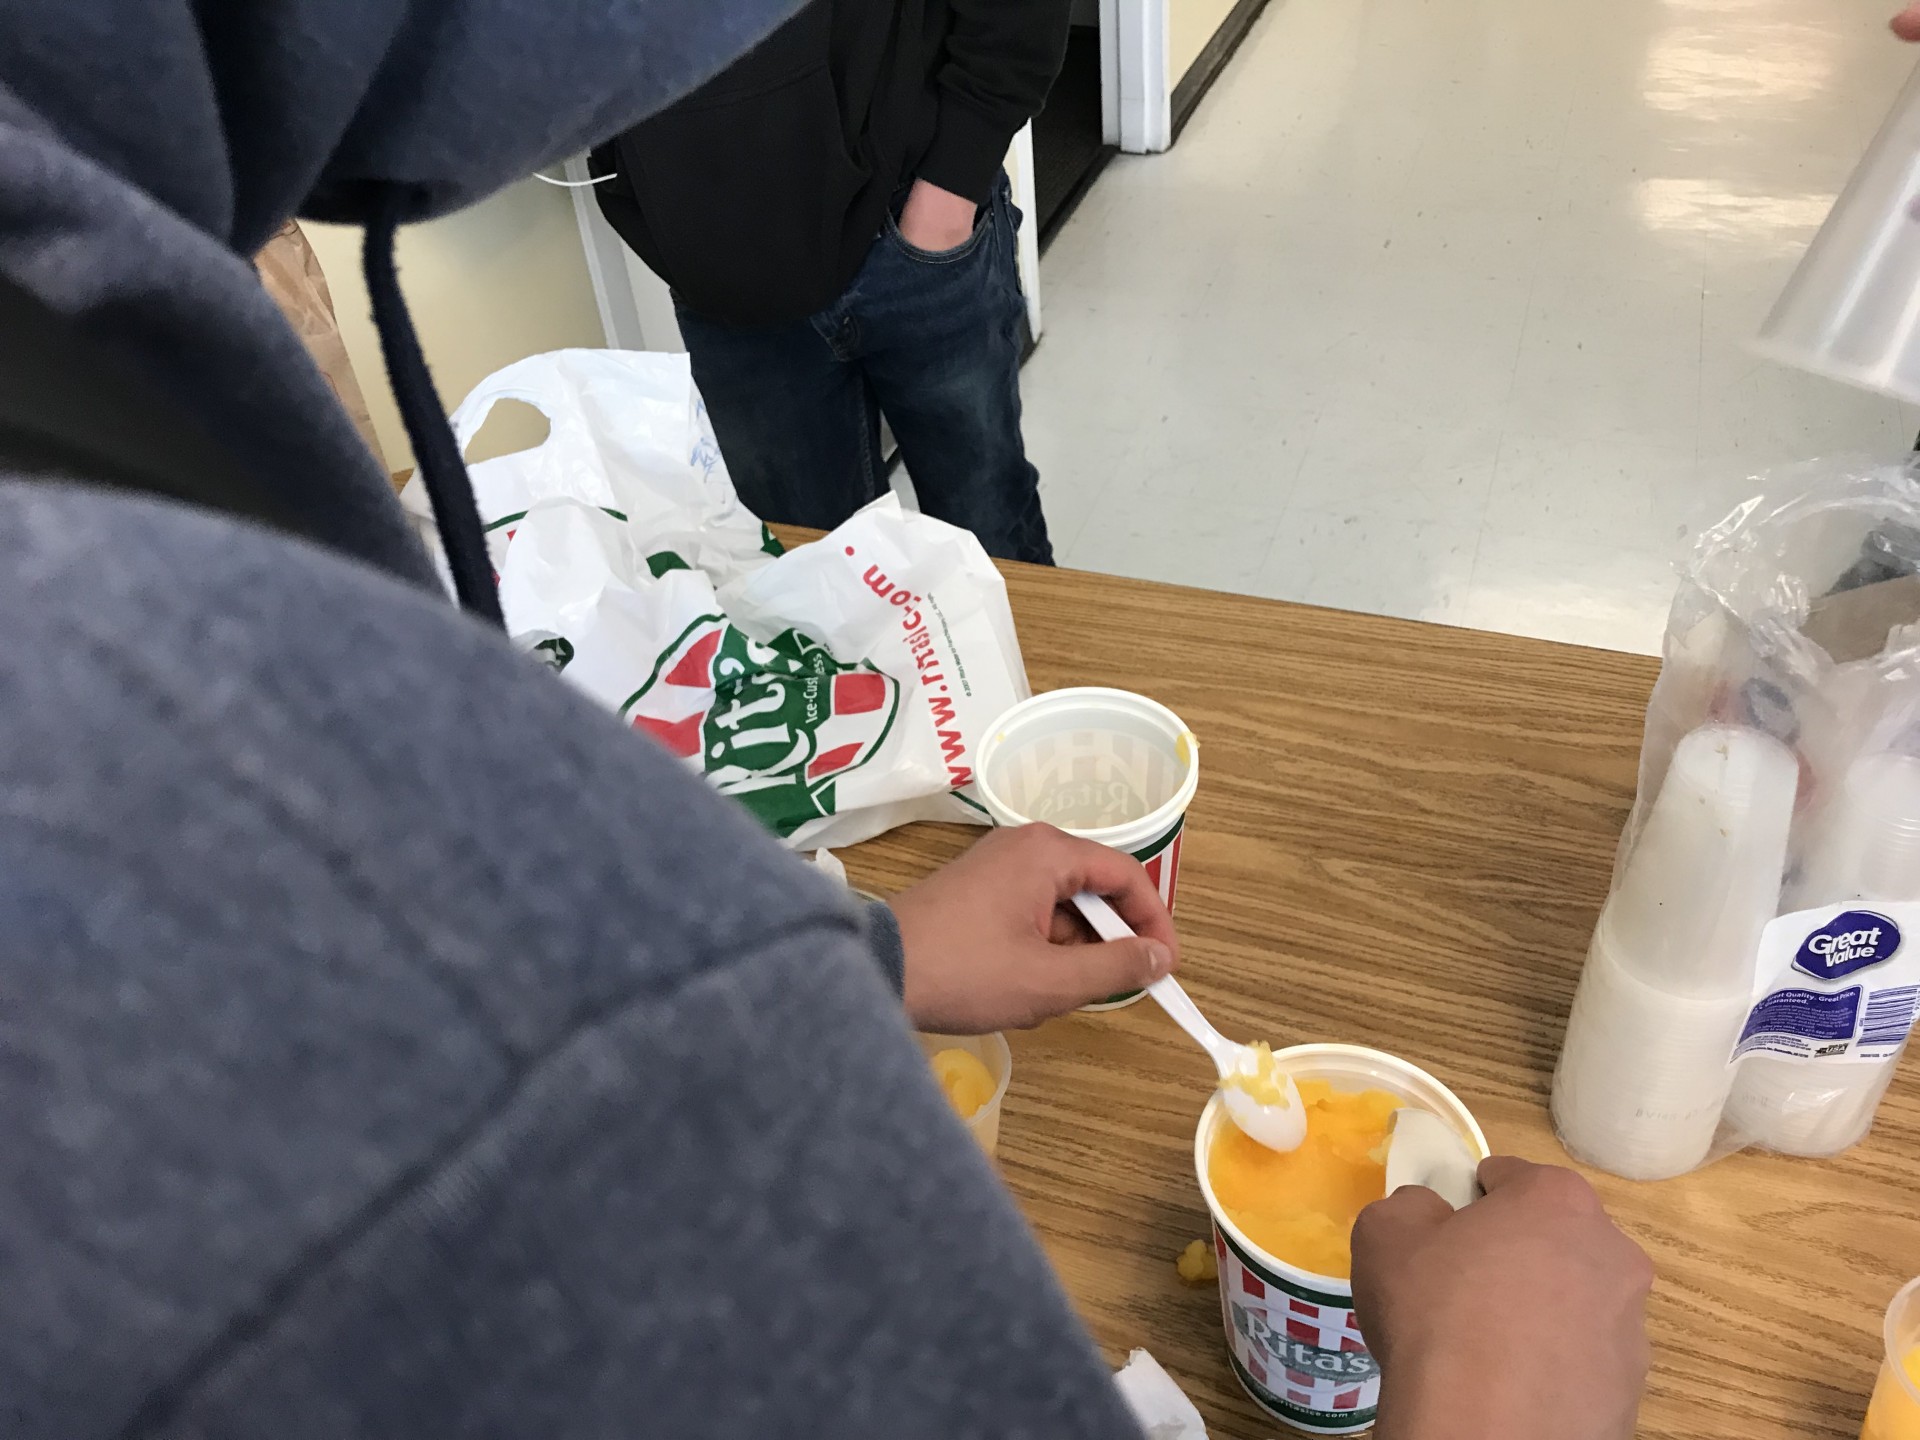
(1756, 967)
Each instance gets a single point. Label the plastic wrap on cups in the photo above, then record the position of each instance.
(835, 690)
(1755, 970)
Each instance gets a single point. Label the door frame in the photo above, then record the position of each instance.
(1136, 97)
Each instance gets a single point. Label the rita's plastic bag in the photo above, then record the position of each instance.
(1755, 971)
(836, 690)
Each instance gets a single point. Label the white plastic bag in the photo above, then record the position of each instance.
(837, 690)
(628, 434)
(1756, 969)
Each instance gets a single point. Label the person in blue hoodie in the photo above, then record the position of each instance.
(391, 1044)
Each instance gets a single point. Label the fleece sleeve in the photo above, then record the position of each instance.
(1001, 59)
(395, 1045)
(883, 938)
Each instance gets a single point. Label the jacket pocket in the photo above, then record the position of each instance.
(746, 185)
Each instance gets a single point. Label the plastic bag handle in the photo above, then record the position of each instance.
(472, 414)
(546, 393)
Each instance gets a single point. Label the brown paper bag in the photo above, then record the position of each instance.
(291, 272)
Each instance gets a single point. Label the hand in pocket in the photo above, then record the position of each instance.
(936, 220)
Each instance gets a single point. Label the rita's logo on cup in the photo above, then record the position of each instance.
(1852, 940)
(1300, 1356)
(1089, 805)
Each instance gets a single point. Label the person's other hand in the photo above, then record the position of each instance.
(1907, 23)
(935, 220)
(1521, 1316)
(992, 945)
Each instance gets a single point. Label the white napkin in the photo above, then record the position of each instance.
(1157, 1403)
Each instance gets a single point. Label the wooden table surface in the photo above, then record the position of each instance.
(1401, 839)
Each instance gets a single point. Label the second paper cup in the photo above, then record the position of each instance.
(1106, 765)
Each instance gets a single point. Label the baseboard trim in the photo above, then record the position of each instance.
(1071, 202)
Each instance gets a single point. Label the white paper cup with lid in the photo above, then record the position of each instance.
(1292, 1339)
(1106, 765)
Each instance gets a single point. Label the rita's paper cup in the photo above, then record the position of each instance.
(1107, 765)
(993, 1052)
(1291, 1335)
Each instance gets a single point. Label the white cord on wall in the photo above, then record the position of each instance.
(573, 184)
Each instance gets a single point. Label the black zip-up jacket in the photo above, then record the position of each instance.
(757, 196)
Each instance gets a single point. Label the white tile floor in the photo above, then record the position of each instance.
(1440, 308)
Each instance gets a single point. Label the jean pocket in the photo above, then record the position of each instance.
(982, 223)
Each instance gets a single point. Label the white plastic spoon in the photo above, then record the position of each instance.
(1422, 1149)
(1278, 1127)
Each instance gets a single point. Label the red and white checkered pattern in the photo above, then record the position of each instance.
(1162, 862)
(1325, 1327)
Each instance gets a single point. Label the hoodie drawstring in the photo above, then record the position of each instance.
(434, 449)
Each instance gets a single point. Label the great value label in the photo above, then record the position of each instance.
(1838, 983)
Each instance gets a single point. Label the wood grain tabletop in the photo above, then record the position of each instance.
(1402, 836)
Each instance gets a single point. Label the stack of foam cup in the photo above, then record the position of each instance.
(1643, 1074)
(1864, 846)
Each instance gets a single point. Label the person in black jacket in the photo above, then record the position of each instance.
(832, 217)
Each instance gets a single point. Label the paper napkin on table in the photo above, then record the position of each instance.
(1163, 1411)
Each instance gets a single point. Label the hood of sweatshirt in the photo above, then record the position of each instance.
(148, 148)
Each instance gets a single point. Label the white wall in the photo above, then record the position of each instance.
(1191, 24)
(492, 284)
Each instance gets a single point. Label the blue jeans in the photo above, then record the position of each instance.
(930, 341)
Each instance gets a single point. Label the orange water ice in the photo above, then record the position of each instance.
(967, 1083)
(1300, 1206)
(1894, 1414)
(1265, 1081)
(1197, 1265)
